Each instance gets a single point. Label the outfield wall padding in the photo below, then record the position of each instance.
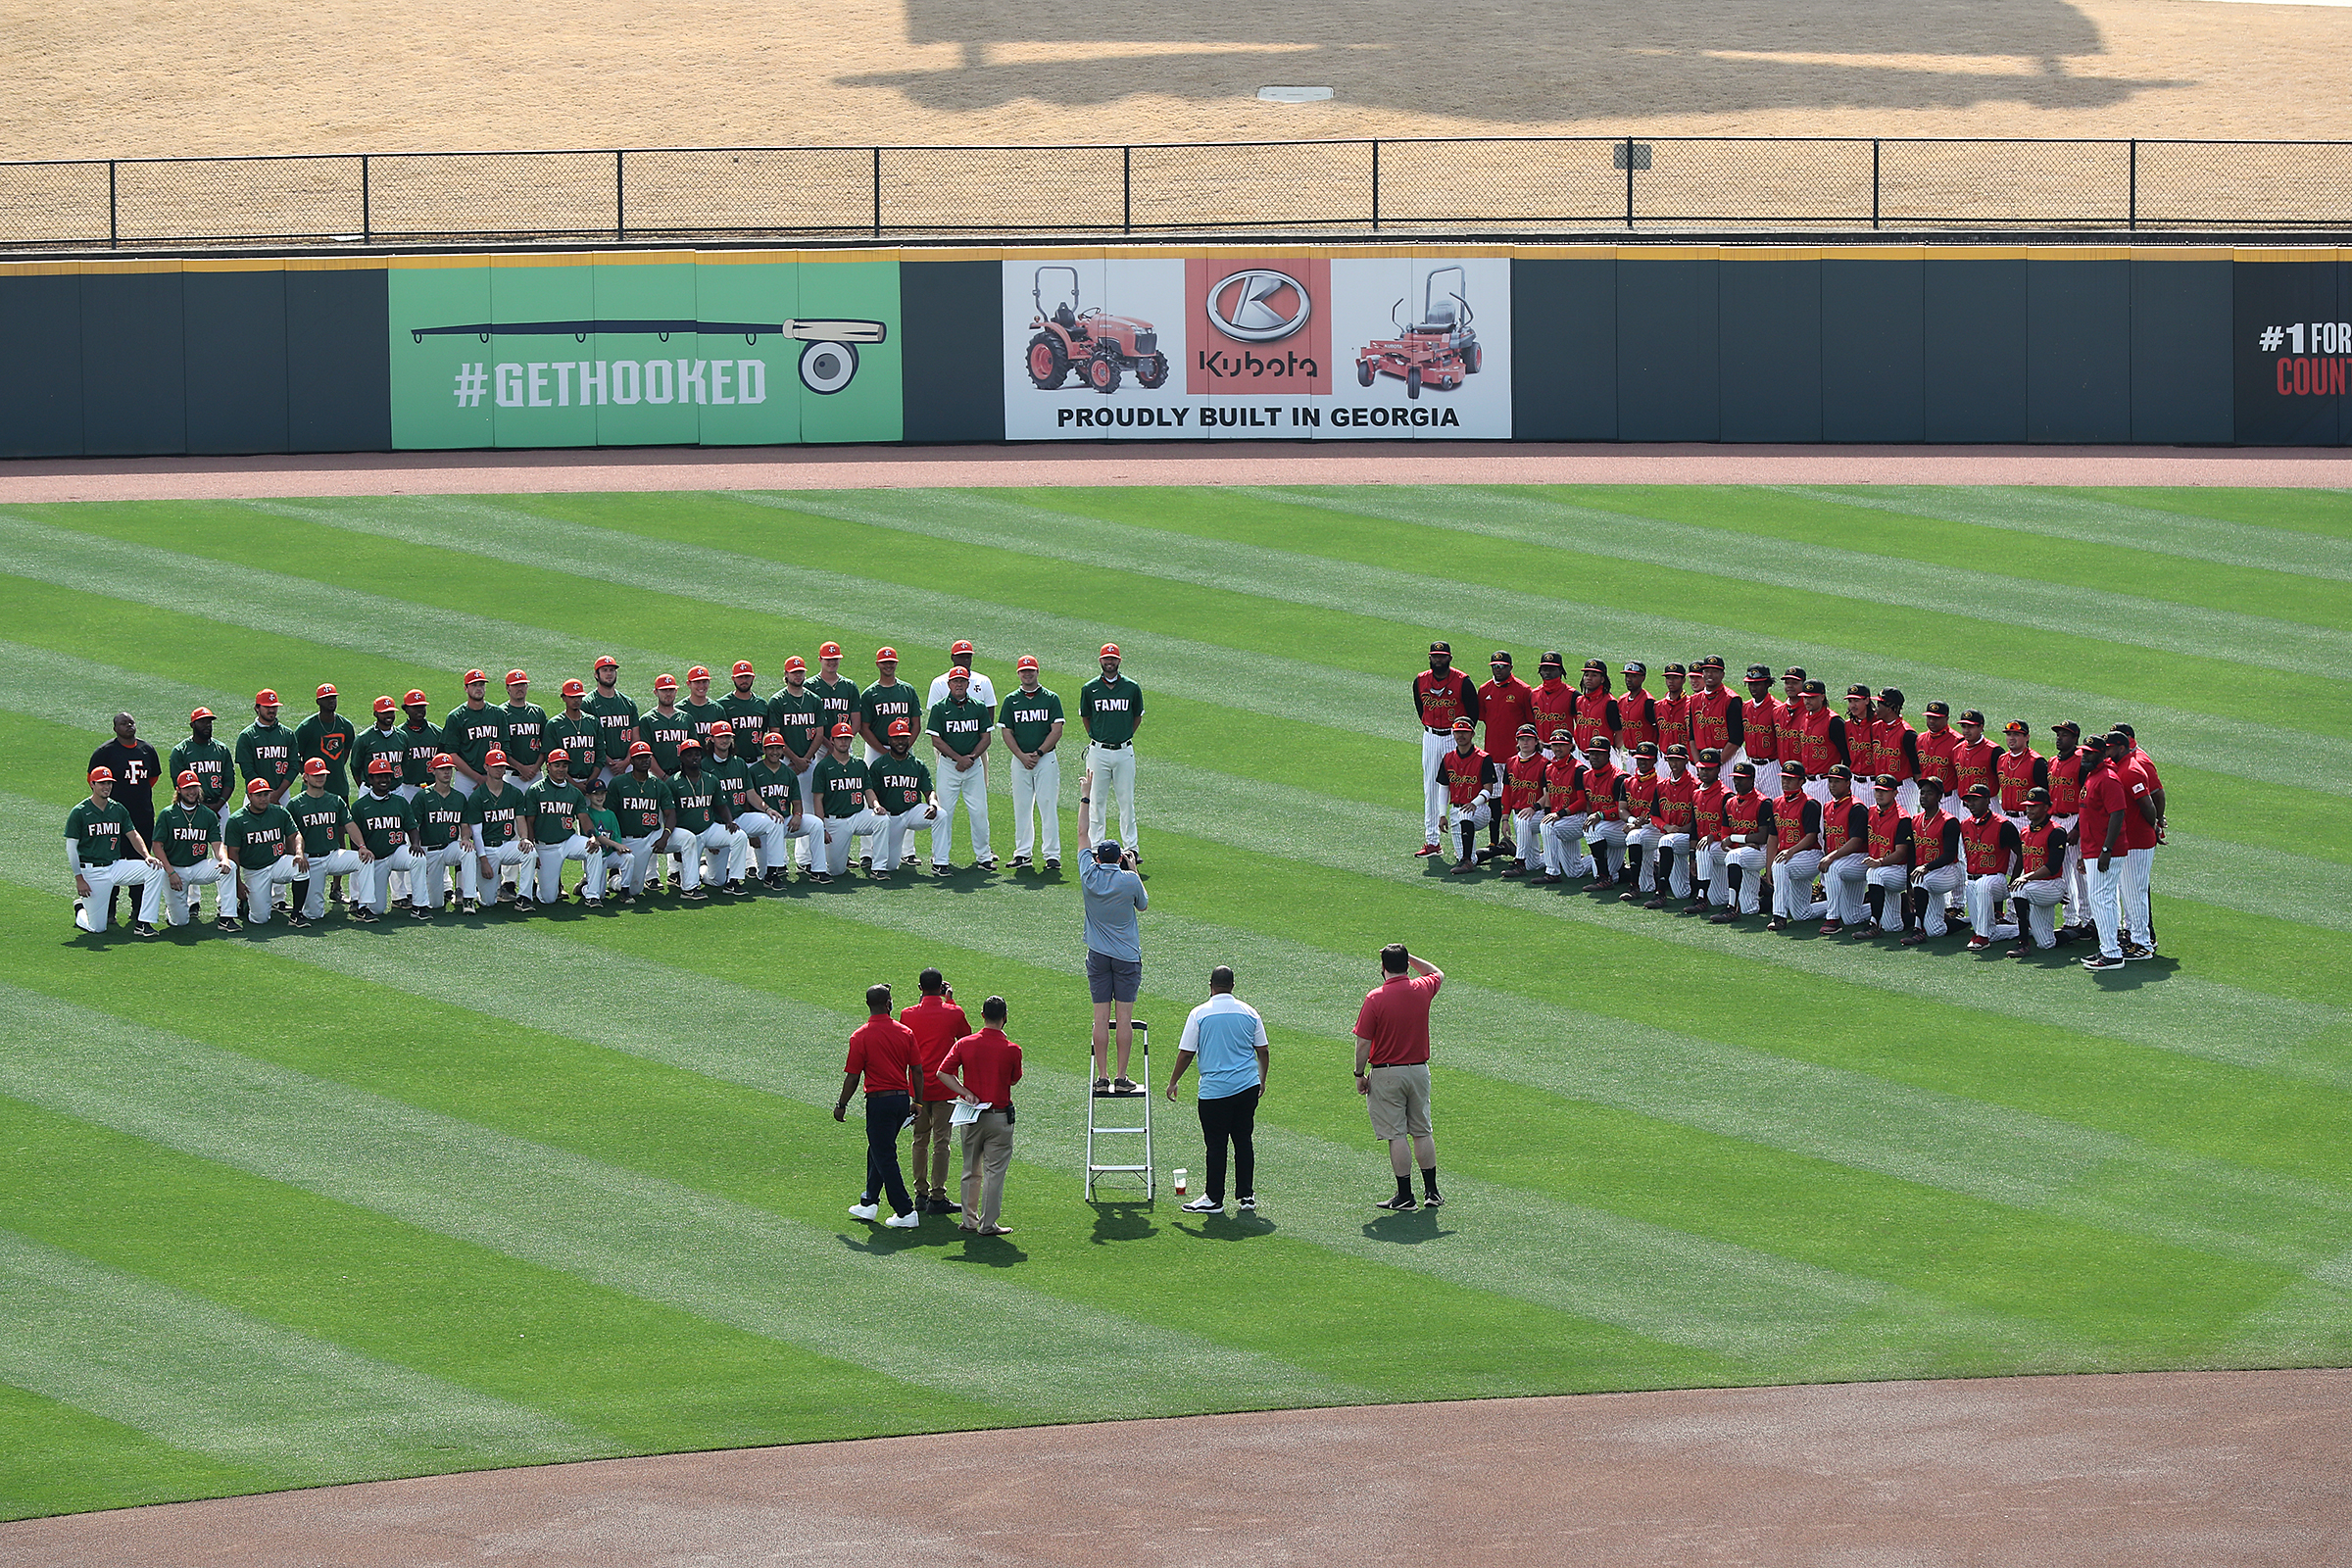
(2106, 345)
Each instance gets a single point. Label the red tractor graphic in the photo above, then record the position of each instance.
(1100, 348)
(1441, 350)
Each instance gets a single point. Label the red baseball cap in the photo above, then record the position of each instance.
(960, 648)
(743, 667)
(574, 688)
(444, 760)
(475, 675)
(697, 673)
(1025, 662)
(101, 775)
(379, 764)
(829, 651)
(665, 683)
(201, 713)
(186, 779)
(265, 698)
(898, 727)
(496, 758)
(958, 672)
(385, 705)
(324, 692)
(886, 656)
(772, 738)
(1462, 726)
(258, 786)
(559, 755)
(639, 749)
(516, 677)
(1109, 650)
(414, 699)
(690, 744)
(606, 661)
(315, 767)
(841, 731)
(796, 663)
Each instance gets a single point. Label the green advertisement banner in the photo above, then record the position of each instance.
(645, 349)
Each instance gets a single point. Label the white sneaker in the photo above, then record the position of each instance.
(904, 1222)
(864, 1210)
(1205, 1205)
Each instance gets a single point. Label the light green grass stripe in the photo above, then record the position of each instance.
(2255, 881)
(223, 1383)
(649, 1238)
(2058, 514)
(1506, 616)
(2307, 1324)
(1689, 551)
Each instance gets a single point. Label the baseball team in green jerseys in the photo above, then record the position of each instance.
(485, 807)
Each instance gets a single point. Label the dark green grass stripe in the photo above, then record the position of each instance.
(62, 1460)
(2326, 513)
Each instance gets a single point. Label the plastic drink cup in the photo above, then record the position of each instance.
(1181, 1175)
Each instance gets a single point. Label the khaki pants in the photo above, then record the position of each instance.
(931, 1140)
(987, 1151)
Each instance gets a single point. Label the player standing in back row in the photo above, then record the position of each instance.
(1111, 708)
(1441, 694)
(1031, 722)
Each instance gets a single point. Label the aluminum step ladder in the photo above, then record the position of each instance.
(1120, 1108)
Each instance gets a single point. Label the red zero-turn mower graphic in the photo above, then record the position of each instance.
(1100, 348)
(1439, 351)
(827, 364)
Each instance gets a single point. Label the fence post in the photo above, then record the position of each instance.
(1127, 190)
(1874, 181)
(2132, 210)
(1629, 182)
(114, 229)
(621, 195)
(877, 193)
(1376, 184)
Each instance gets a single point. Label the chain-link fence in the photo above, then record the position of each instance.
(1495, 185)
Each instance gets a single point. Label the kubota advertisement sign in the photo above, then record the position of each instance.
(1317, 344)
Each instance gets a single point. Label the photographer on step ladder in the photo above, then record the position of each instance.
(1115, 954)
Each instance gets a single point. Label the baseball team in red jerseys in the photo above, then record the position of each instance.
(1704, 801)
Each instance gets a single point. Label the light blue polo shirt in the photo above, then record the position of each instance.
(1112, 898)
(1225, 1036)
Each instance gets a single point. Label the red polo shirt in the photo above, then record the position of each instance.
(883, 1048)
(987, 1063)
(2139, 775)
(2103, 796)
(1394, 1017)
(938, 1023)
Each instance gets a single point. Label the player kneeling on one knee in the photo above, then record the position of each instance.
(1523, 798)
(1938, 870)
(2045, 855)
(844, 793)
(268, 851)
(1990, 849)
(187, 835)
(104, 852)
(387, 828)
(1473, 786)
(1745, 849)
(441, 850)
(329, 840)
(557, 827)
(1795, 849)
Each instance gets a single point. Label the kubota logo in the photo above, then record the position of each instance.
(1255, 306)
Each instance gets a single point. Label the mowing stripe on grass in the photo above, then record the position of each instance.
(223, 1383)
(2254, 880)
(647, 1237)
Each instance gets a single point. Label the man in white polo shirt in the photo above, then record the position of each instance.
(1229, 1040)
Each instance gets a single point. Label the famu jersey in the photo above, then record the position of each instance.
(1030, 717)
(840, 785)
(376, 742)
(695, 795)
(186, 834)
(902, 782)
(266, 752)
(215, 769)
(256, 838)
(468, 733)
(959, 726)
(731, 779)
(554, 809)
(579, 739)
(616, 724)
(439, 817)
(329, 740)
(838, 698)
(497, 818)
(638, 803)
(1111, 708)
(777, 789)
(747, 715)
(664, 732)
(797, 716)
(322, 817)
(419, 744)
(384, 822)
(526, 733)
(881, 704)
(102, 833)
(701, 720)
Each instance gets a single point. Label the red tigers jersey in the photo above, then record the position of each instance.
(1595, 719)
(1506, 705)
(2066, 784)
(1974, 764)
(1523, 781)
(1673, 720)
(1927, 833)
(1464, 774)
(1888, 736)
(1792, 818)
(1760, 719)
(1814, 748)
(1935, 749)
(1553, 705)
(1861, 745)
(1888, 827)
(1841, 820)
(1706, 812)
(1710, 720)
(1742, 810)
(2018, 772)
(1641, 793)
(1601, 787)
(1564, 786)
(1981, 844)
(1442, 699)
(1673, 798)
(2044, 850)
(1637, 718)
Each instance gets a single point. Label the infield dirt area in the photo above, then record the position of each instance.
(111, 78)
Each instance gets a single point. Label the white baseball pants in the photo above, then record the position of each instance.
(1844, 883)
(104, 879)
(1678, 881)
(488, 869)
(1937, 885)
(1750, 858)
(896, 844)
(261, 888)
(970, 787)
(803, 854)
(2078, 890)
(179, 902)
(1564, 853)
(550, 857)
(1434, 748)
(2138, 866)
(374, 885)
(2042, 900)
(2105, 890)
(1895, 881)
(1768, 777)
(1792, 886)
(1527, 835)
(1604, 830)
(1038, 789)
(432, 868)
(837, 832)
(1114, 770)
(771, 837)
(334, 863)
(1985, 896)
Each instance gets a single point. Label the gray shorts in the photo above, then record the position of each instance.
(1399, 1098)
(1112, 979)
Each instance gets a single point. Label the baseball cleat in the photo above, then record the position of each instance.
(1722, 917)
(363, 915)
(592, 903)
(1830, 928)
(1912, 939)
(1404, 1205)
(1775, 923)
(694, 894)
(820, 876)
(1053, 865)
(141, 928)
(989, 865)
(417, 911)
(297, 919)
(228, 923)
(1977, 943)
(776, 879)
(1462, 868)
(2134, 952)
(2099, 963)
(1425, 849)
(1020, 862)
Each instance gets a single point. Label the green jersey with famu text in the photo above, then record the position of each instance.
(554, 809)
(496, 820)
(1030, 717)
(959, 726)
(664, 732)
(439, 817)
(526, 733)
(881, 704)
(794, 715)
(1111, 708)
(256, 838)
(840, 785)
(468, 733)
(215, 769)
(901, 781)
(577, 739)
(186, 834)
(778, 789)
(701, 718)
(639, 802)
(328, 738)
(839, 700)
(731, 779)
(265, 752)
(376, 742)
(749, 716)
(615, 722)
(381, 817)
(604, 824)
(696, 798)
(322, 817)
(419, 744)
(102, 833)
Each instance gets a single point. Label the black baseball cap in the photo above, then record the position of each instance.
(1648, 749)
(1976, 792)
(2066, 727)
(2123, 730)
(1840, 770)
(1858, 690)
(1814, 688)
(1711, 662)
(1793, 672)
(1885, 781)
(1750, 769)
(1790, 770)
(1939, 705)
(1501, 655)
(1595, 666)
(1106, 852)
(1758, 672)
(1676, 669)
(1935, 784)
(1550, 661)
(2038, 796)
(1891, 696)
(1441, 648)
(1969, 715)
(1678, 748)
(1635, 667)
(1708, 754)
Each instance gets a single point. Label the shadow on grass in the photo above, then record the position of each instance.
(1230, 1227)
(1122, 1220)
(1406, 1230)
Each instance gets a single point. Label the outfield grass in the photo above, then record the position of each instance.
(324, 1205)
